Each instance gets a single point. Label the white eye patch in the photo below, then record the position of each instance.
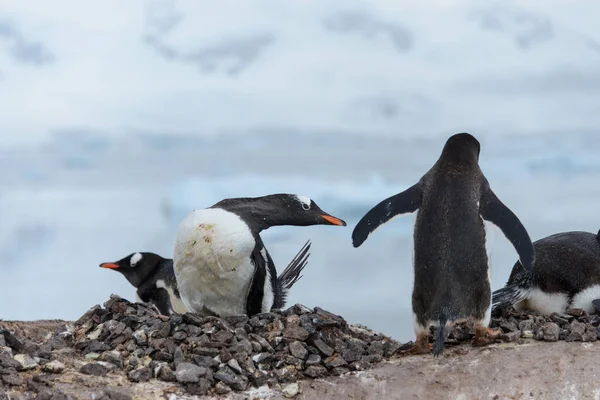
(135, 259)
(305, 201)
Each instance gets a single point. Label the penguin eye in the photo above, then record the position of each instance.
(305, 206)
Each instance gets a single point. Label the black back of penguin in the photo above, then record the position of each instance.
(154, 279)
(566, 264)
(450, 260)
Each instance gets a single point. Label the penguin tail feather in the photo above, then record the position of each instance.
(291, 274)
(440, 338)
(512, 293)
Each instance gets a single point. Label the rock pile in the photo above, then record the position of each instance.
(220, 355)
(205, 353)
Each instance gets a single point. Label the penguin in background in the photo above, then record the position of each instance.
(451, 270)
(154, 279)
(566, 274)
(222, 266)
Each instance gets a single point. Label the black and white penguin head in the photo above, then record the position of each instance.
(304, 210)
(462, 146)
(135, 267)
(279, 209)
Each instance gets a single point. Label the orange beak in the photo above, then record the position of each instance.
(333, 220)
(109, 266)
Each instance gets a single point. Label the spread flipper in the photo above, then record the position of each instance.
(493, 210)
(403, 203)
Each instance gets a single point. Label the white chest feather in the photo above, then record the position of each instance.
(212, 262)
(176, 303)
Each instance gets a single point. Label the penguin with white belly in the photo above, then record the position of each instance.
(221, 264)
(154, 279)
(451, 281)
(566, 274)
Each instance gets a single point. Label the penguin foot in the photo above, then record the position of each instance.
(485, 335)
(422, 346)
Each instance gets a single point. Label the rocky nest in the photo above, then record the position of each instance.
(201, 355)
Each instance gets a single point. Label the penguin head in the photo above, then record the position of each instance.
(136, 267)
(298, 210)
(462, 146)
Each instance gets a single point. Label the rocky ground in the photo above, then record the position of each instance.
(126, 350)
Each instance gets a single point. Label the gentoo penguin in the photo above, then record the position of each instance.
(221, 264)
(566, 274)
(158, 286)
(451, 268)
(153, 277)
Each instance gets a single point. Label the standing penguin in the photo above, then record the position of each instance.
(566, 274)
(221, 263)
(153, 277)
(450, 258)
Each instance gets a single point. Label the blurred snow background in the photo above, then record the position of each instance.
(118, 118)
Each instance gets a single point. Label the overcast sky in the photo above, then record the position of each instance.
(378, 67)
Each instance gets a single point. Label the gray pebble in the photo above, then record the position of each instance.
(189, 373)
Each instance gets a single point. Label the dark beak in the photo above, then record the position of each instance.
(109, 265)
(333, 220)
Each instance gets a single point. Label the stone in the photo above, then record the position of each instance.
(389, 348)
(114, 357)
(11, 341)
(511, 336)
(313, 359)
(323, 347)
(189, 373)
(315, 371)
(351, 355)
(290, 390)
(574, 337)
(140, 337)
(578, 327)
(236, 382)
(334, 361)
(298, 350)
(199, 389)
(221, 388)
(92, 356)
(589, 336)
(260, 357)
(234, 365)
(225, 355)
(12, 380)
(25, 362)
(550, 332)
(165, 373)
(295, 332)
(375, 348)
(94, 369)
(142, 374)
(54, 367)
(262, 341)
(206, 362)
(6, 361)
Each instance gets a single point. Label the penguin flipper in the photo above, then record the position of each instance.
(494, 211)
(291, 275)
(402, 203)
